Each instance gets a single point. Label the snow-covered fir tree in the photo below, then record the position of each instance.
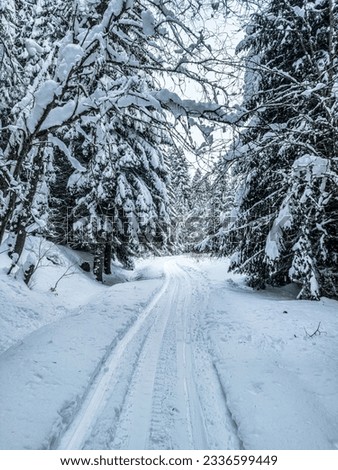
(199, 200)
(218, 210)
(287, 206)
(179, 196)
(27, 176)
(80, 64)
(121, 199)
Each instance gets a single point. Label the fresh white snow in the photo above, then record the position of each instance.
(181, 356)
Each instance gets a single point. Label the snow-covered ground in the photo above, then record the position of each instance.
(181, 356)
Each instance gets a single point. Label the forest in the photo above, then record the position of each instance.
(135, 127)
(168, 232)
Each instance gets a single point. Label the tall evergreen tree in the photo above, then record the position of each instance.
(180, 199)
(218, 210)
(200, 196)
(75, 67)
(288, 207)
(122, 190)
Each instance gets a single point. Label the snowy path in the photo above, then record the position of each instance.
(159, 365)
(186, 358)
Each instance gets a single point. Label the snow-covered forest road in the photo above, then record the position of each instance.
(190, 359)
(171, 395)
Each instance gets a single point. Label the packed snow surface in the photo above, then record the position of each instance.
(180, 356)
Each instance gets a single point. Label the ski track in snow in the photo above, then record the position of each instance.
(158, 389)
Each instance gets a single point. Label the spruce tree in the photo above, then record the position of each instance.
(199, 200)
(180, 199)
(287, 210)
(218, 210)
(122, 191)
(69, 68)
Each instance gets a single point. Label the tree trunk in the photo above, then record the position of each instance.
(99, 262)
(7, 215)
(24, 217)
(107, 258)
(28, 273)
(19, 159)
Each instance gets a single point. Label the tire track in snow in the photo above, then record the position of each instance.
(75, 436)
(159, 388)
(230, 418)
(162, 408)
(176, 421)
(133, 429)
(219, 428)
(186, 374)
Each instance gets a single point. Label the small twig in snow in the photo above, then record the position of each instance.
(315, 332)
(65, 274)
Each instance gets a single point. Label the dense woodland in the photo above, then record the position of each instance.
(97, 133)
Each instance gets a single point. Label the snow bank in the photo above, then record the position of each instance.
(24, 310)
(280, 383)
(58, 345)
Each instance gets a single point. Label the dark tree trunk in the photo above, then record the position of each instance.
(20, 240)
(99, 262)
(19, 158)
(28, 273)
(24, 217)
(7, 215)
(107, 258)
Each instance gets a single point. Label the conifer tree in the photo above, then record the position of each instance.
(199, 200)
(122, 190)
(218, 210)
(180, 199)
(69, 68)
(287, 210)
